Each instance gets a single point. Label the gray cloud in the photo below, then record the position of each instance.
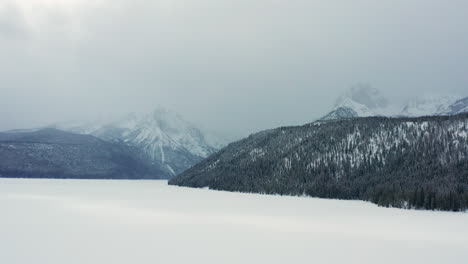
(232, 66)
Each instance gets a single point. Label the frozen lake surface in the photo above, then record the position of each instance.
(94, 221)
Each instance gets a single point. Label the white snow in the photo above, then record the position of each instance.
(287, 163)
(256, 153)
(360, 109)
(429, 104)
(212, 166)
(160, 127)
(160, 134)
(170, 169)
(89, 221)
(163, 157)
(366, 101)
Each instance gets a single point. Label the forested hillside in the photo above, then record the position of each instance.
(51, 153)
(397, 162)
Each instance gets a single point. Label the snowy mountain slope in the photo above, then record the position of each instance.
(340, 113)
(349, 109)
(400, 162)
(429, 105)
(458, 107)
(365, 94)
(364, 101)
(171, 142)
(360, 101)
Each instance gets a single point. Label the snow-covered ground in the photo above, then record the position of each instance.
(87, 221)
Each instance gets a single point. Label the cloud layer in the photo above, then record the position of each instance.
(232, 66)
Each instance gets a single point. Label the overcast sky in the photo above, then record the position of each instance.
(234, 66)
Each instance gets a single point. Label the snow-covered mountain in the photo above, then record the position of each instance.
(360, 101)
(172, 142)
(394, 162)
(460, 106)
(435, 105)
(365, 101)
(429, 104)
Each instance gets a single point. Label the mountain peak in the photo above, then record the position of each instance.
(362, 100)
(363, 94)
(429, 104)
(167, 138)
(359, 101)
(460, 106)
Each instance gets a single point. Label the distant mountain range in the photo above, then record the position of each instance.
(168, 144)
(51, 153)
(399, 162)
(364, 101)
(161, 144)
(172, 143)
(436, 105)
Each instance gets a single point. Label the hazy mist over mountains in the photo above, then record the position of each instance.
(234, 67)
(233, 131)
(362, 100)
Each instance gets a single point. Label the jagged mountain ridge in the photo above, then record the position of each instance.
(460, 106)
(348, 108)
(171, 142)
(360, 101)
(430, 104)
(51, 153)
(365, 101)
(399, 162)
